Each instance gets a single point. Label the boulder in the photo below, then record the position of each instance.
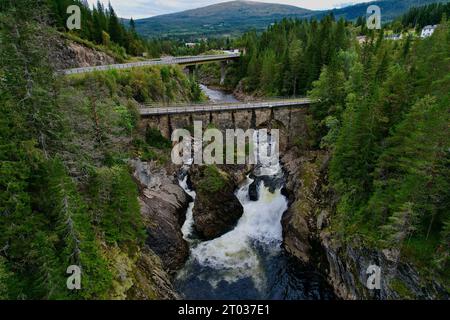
(215, 211)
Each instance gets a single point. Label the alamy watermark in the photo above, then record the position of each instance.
(238, 147)
(74, 280)
(374, 277)
(74, 20)
(373, 17)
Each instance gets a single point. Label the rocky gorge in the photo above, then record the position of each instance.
(307, 237)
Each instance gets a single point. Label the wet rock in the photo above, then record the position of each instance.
(216, 211)
(163, 207)
(303, 176)
(253, 191)
(138, 276)
(270, 182)
(150, 280)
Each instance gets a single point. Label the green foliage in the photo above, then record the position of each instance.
(100, 25)
(332, 124)
(419, 17)
(212, 180)
(401, 289)
(288, 57)
(155, 139)
(115, 206)
(390, 140)
(400, 225)
(65, 194)
(5, 276)
(74, 229)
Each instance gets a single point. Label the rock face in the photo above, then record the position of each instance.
(302, 181)
(151, 281)
(215, 213)
(163, 207)
(139, 277)
(348, 274)
(306, 226)
(66, 54)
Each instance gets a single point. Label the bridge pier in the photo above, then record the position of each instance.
(192, 70)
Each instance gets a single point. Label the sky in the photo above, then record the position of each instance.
(147, 8)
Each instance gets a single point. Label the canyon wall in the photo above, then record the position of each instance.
(308, 235)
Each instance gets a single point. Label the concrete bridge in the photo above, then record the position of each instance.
(183, 61)
(291, 116)
(224, 107)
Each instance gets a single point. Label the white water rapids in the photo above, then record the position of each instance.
(236, 254)
(248, 262)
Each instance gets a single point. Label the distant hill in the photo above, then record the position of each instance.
(390, 9)
(235, 17)
(223, 18)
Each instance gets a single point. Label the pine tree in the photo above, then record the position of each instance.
(116, 207)
(74, 228)
(114, 27)
(401, 225)
(269, 73)
(411, 163)
(5, 276)
(296, 66)
(442, 257)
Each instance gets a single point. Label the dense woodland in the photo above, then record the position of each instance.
(288, 57)
(419, 17)
(66, 193)
(383, 113)
(102, 27)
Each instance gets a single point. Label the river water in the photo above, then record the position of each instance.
(248, 262)
(217, 95)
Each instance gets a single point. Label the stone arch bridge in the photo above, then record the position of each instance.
(291, 116)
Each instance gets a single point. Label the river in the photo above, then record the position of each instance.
(248, 262)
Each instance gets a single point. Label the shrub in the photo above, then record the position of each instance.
(155, 139)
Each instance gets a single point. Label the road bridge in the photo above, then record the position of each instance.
(189, 109)
(183, 61)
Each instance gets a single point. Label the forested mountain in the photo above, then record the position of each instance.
(419, 17)
(236, 17)
(390, 9)
(220, 19)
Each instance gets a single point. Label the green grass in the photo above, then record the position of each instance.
(213, 180)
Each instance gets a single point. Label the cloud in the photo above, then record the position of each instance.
(148, 8)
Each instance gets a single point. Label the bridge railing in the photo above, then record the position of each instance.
(223, 107)
(162, 104)
(152, 62)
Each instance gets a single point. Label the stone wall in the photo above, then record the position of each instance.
(291, 121)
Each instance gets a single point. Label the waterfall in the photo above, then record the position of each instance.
(248, 262)
(236, 255)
